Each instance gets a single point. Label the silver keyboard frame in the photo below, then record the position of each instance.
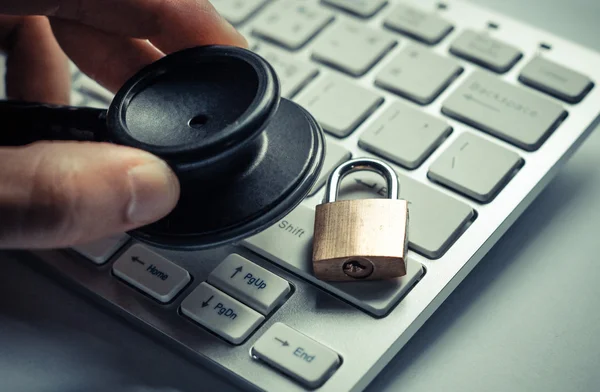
(365, 343)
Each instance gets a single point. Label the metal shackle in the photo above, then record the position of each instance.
(362, 164)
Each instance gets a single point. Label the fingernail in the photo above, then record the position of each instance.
(154, 192)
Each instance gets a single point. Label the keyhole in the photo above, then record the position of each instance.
(198, 122)
(358, 269)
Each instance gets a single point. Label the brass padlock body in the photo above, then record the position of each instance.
(366, 230)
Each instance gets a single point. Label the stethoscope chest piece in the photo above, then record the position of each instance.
(244, 156)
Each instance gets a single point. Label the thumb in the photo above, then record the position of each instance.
(55, 195)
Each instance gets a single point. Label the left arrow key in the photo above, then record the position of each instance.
(151, 273)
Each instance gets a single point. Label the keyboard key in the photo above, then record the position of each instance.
(151, 273)
(475, 167)
(418, 74)
(296, 355)
(485, 51)
(293, 74)
(101, 250)
(339, 105)
(362, 8)
(220, 313)
(405, 135)
(436, 219)
(77, 99)
(291, 23)
(509, 112)
(237, 11)
(335, 156)
(94, 103)
(418, 24)
(289, 244)
(556, 80)
(249, 283)
(351, 47)
(90, 88)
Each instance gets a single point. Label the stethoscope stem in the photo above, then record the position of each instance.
(22, 123)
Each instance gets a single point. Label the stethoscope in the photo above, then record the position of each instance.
(245, 157)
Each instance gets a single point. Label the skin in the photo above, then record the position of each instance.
(61, 194)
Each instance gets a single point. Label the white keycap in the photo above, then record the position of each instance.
(249, 283)
(510, 112)
(556, 80)
(220, 313)
(73, 70)
(418, 74)
(89, 87)
(351, 47)
(94, 103)
(100, 251)
(419, 24)
(362, 8)
(335, 156)
(78, 99)
(296, 355)
(237, 11)
(293, 74)
(151, 273)
(475, 167)
(436, 219)
(486, 51)
(289, 244)
(339, 105)
(291, 23)
(405, 135)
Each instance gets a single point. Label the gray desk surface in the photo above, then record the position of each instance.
(526, 319)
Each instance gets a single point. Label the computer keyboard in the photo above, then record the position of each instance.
(474, 110)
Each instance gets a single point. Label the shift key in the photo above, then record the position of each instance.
(289, 244)
(511, 113)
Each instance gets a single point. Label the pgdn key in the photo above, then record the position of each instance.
(220, 313)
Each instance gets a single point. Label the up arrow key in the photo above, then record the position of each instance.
(252, 285)
(238, 269)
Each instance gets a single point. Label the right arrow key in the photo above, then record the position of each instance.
(296, 355)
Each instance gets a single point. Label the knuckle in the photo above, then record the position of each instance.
(154, 21)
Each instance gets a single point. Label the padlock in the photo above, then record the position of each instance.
(363, 239)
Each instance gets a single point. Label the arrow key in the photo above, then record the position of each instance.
(296, 355)
(151, 273)
(249, 283)
(220, 313)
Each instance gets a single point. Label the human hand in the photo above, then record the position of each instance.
(61, 194)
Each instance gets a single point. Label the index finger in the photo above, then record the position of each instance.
(170, 25)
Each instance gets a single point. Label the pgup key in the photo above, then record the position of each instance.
(360, 239)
